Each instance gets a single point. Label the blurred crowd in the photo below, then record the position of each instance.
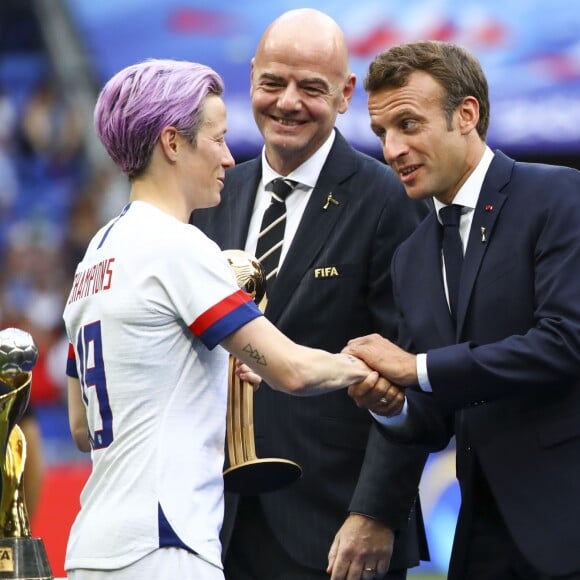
(51, 203)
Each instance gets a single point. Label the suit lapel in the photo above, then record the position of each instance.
(487, 211)
(315, 226)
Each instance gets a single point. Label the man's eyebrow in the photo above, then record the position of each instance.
(405, 112)
(302, 82)
(270, 77)
(313, 81)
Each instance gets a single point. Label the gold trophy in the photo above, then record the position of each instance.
(22, 557)
(247, 474)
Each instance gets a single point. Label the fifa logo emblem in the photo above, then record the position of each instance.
(326, 272)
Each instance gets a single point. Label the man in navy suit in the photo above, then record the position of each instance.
(344, 219)
(502, 372)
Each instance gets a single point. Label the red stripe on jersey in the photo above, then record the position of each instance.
(218, 311)
(71, 365)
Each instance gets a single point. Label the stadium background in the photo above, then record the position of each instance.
(57, 187)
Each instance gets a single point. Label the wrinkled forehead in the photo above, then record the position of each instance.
(299, 71)
(420, 91)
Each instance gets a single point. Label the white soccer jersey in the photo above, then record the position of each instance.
(150, 300)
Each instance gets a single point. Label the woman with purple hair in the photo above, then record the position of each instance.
(150, 300)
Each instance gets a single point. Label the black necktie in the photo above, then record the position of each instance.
(271, 236)
(452, 252)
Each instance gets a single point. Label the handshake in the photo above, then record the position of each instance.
(397, 369)
(382, 369)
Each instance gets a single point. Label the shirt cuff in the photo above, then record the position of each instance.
(422, 375)
(394, 421)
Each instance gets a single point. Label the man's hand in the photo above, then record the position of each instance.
(393, 363)
(380, 397)
(362, 548)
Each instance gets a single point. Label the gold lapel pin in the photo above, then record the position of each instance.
(330, 200)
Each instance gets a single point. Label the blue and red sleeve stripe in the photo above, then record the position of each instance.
(224, 318)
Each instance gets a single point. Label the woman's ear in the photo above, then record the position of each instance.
(169, 141)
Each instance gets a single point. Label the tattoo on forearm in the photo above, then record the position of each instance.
(255, 354)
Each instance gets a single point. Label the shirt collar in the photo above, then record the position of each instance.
(307, 173)
(468, 194)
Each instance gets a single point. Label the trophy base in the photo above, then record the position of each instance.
(24, 559)
(260, 475)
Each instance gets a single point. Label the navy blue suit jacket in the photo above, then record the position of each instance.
(346, 463)
(506, 381)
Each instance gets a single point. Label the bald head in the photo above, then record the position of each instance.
(300, 82)
(309, 35)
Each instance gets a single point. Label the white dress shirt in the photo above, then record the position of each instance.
(306, 175)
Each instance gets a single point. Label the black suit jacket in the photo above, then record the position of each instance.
(346, 466)
(506, 381)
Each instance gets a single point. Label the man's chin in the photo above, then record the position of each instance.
(283, 145)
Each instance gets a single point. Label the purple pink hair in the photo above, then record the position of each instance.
(141, 100)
